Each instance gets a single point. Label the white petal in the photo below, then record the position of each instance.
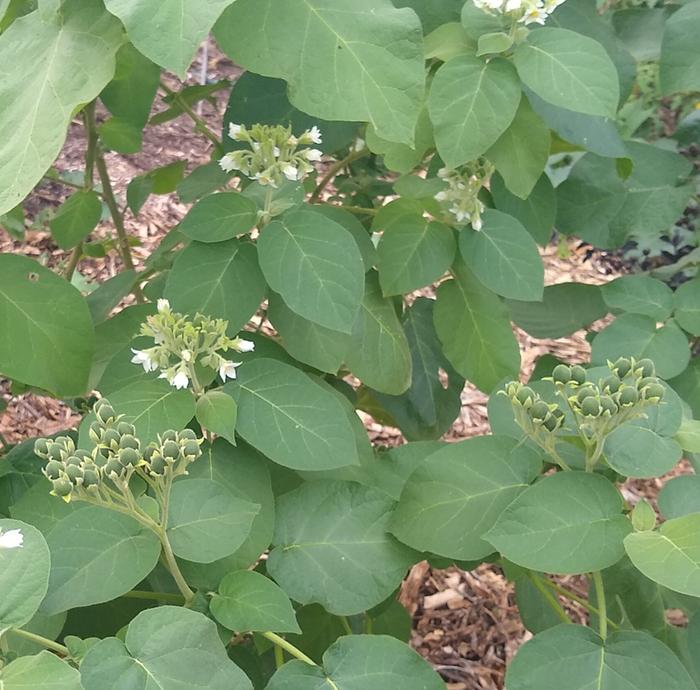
(245, 345)
(313, 155)
(163, 305)
(11, 539)
(315, 135)
(291, 173)
(186, 355)
(234, 130)
(180, 380)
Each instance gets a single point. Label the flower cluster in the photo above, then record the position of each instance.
(79, 474)
(522, 11)
(12, 539)
(182, 343)
(461, 197)
(275, 153)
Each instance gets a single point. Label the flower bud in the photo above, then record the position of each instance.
(590, 407)
(628, 396)
(53, 469)
(104, 411)
(74, 473)
(129, 441)
(551, 423)
(111, 438)
(621, 367)
(644, 367)
(525, 395)
(62, 487)
(41, 448)
(113, 469)
(73, 460)
(96, 432)
(608, 405)
(539, 410)
(561, 373)
(129, 457)
(586, 392)
(653, 392)
(171, 451)
(157, 465)
(191, 450)
(90, 478)
(125, 428)
(611, 384)
(56, 452)
(187, 435)
(578, 374)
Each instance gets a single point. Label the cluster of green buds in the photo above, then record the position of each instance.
(461, 198)
(93, 476)
(181, 343)
(520, 11)
(275, 153)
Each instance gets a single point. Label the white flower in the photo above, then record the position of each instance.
(535, 15)
(144, 359)
(186, 355)
(255, 145)
(494, 4)
(180, 380)
(441, 196)
(512, 5)
(477, 224)
(275, 151)
(244, 345)
(292, 141)
(443, 173)
(360, 144)
(228, 164)
(234, 131)
(12, 539)
(163, 306)
(290, 172)
(315, 135)
(312, 155)
(227, 369)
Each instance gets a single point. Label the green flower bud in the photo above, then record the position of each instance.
(157, 465)
(561, 373)
(653, 392)
(104, 411)
(590, 407)
(191, 450)
(551, 423)
(41, 448)
(608, 405)
(111, 438)
(540, 410)
(168, 435)
(73, 461)
(586, 392)
(128, 457)
(62, 487)
(171, 450)
(74, 473)
(56, 452)
(84, 456)
(101, 455)
(644, 367)
(525, 395)
(90, 478)
(621, 367)
(113, 469)
(125, 428)
(628, 396)
(53, 469)
(187, 435)
(129, 441)
(96, 432)
(578, 374)
(511, 388)
(611, 384)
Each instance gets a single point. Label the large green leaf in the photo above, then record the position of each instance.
(576, 658)
(670, 555)
(24, 574)
(170, 32)
(471, 103)
(504, 257)
(570, 522)
(569, 70)
(76, 218)
(564, 308)
(290, 419)
(413, 252)
(219, 217)
(456, 495)
(680, 58)
(686, 300)
(46, 333)
(637, 335)
(45, 671)
(96, 555)
(680, 496)
(369, 662)
(68, 56)
(639, 294)
(331, 546)
(521, 152)
(634, 451)
(379, 353)
(687, 385)
(248, 601)
(168, 647)
(474, 328)
(206, 521)
(315, 265)
(343, 62)
(220, 279)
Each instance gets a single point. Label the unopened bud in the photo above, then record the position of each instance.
(187, 435)
(561, 373)
(53, 469)
(539, 410)
(128, 457)
(111, 438)
(171, 451)
(608, 405)
(628, 396)
(611, 384)
(586, 392)
(96, 432)
(129, 441)
(125, 428)
(525, 395)
(644, 367)
(590, 407)
(74, 473)
(578, 374)
(41, 448)
(169, 435)
(62, 487)
(105, 412)
(621, 367)
(653, 392)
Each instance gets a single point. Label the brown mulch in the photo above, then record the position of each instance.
(465, 623)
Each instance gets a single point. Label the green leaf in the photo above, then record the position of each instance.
(535, 611)
(96, 555)
(564, 308)
(687, 385)
(670, 555)
(109, 294)
(370, 662)
(504, 257)
(165, 647)
(688, 435)
(539, 528)
(216, 412)
(679, 68)
(379, 353)
(286, 416)
(559, 656)
(521, 152)
(471, 103)
(536, 213)
(204, 179)
(219, 217)
(307, 341)
(569, 70)
(639, 294)
(315, 265)
(255, 98)
(24, 574)
(170, 35)
(49, 627)
(120, 135)
(221, 279)
(355, 228)
(413, 252)
(47, 331)
(456, 495)
(362, 62)
(496, 42)
(634, 451)
(206, 521)
(326, 530)
(433, 14)
(76, 218)
(248, 601)
(634, 335)
(686, 301)
(41, 101)
(448, 41)
(680, 496)
(45, 671)
(474, 328)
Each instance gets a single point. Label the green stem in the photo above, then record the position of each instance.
(549, 597)
(578, 599)
(200, 124)
(334, 170)
(602, 606)
(155, 596)
(346, 624)
(174, 568)
(288, 647)
(279, 656)
(43, 641)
